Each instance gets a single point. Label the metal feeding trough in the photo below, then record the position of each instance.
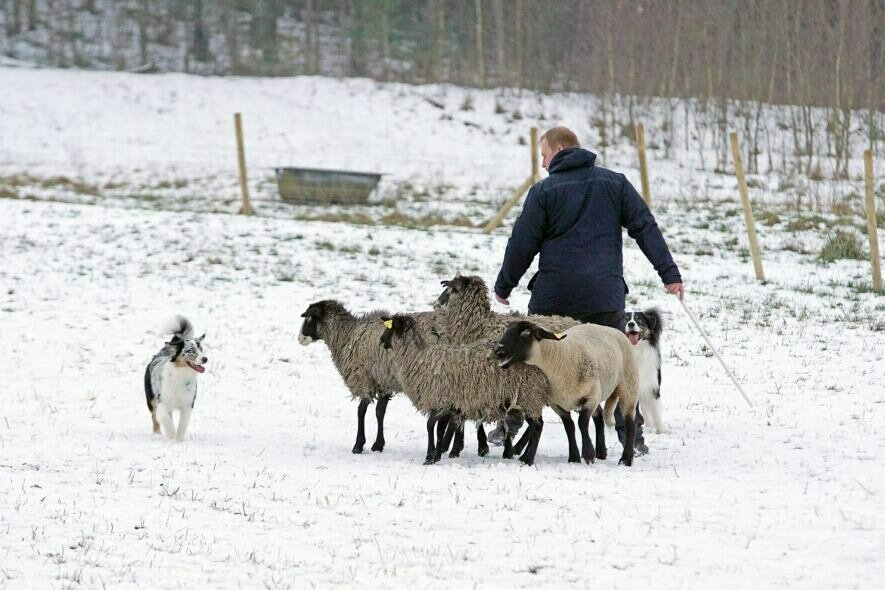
(303, 186)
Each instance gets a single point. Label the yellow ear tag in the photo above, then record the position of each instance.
(388, 324)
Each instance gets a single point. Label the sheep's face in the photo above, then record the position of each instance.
(460, 284)
(310, 328)
(453, 286)
(519, 343)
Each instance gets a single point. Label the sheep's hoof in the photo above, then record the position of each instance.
(483, 451)
(378, 447)
(429, 461)
(589, 459)
(454, 454)
(625, 460)
(601, 453)
(523, 459)
(357, 449)
(574, 458)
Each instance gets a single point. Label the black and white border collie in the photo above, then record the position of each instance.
(170, 380)
(644, 330)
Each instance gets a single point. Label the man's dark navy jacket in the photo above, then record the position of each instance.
(574, 219)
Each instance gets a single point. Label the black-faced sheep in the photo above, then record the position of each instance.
(368, 373)
(585, 365)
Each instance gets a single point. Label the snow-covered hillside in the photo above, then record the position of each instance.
(265, 491)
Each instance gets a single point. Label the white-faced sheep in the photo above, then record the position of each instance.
(464, 381)
(585, 365)
(464, 314)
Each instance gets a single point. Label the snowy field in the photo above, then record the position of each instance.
(265, 492)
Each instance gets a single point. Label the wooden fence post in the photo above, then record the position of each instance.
(246, 208)
(520, 191)
(871, 220)
(748, 209)
(643, 164)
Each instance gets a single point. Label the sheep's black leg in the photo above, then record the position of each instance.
(441, 427)
(458, 444)
(380, 410)
(482, 443)
(431, 423)
(522, 442)
(599, 422)
(587, 452)
(536, 425)
(573, 455)
(630, 424)
(443, 445)
(361, 426)
(508, 447)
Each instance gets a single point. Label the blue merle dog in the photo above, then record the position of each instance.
(170, 380)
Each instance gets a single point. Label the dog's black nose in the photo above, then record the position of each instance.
(205, 358)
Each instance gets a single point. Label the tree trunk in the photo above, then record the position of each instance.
(480, 54)
(144, 11)
(385, 39)
(200, 34)
(439, 35)
(499, 39)
(12, 8)
(518, 36)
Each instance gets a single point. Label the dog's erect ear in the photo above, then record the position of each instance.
(200, 339)
(653, 319)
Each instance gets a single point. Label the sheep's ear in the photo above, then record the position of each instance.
(315, 310)
(542, 334)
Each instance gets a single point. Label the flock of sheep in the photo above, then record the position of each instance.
(463, 361)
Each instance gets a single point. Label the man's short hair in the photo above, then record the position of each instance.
(561, 136)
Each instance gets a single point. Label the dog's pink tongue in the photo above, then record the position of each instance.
(197, 368)
(633, 336)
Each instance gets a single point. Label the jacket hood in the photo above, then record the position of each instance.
(571, 158)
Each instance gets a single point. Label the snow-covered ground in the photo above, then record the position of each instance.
(265, 492)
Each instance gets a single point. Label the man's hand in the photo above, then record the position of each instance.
(676, 289)
(502, 301)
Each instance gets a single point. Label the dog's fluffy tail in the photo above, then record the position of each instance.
(178, 326)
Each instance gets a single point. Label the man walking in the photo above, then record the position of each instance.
(573, 218)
